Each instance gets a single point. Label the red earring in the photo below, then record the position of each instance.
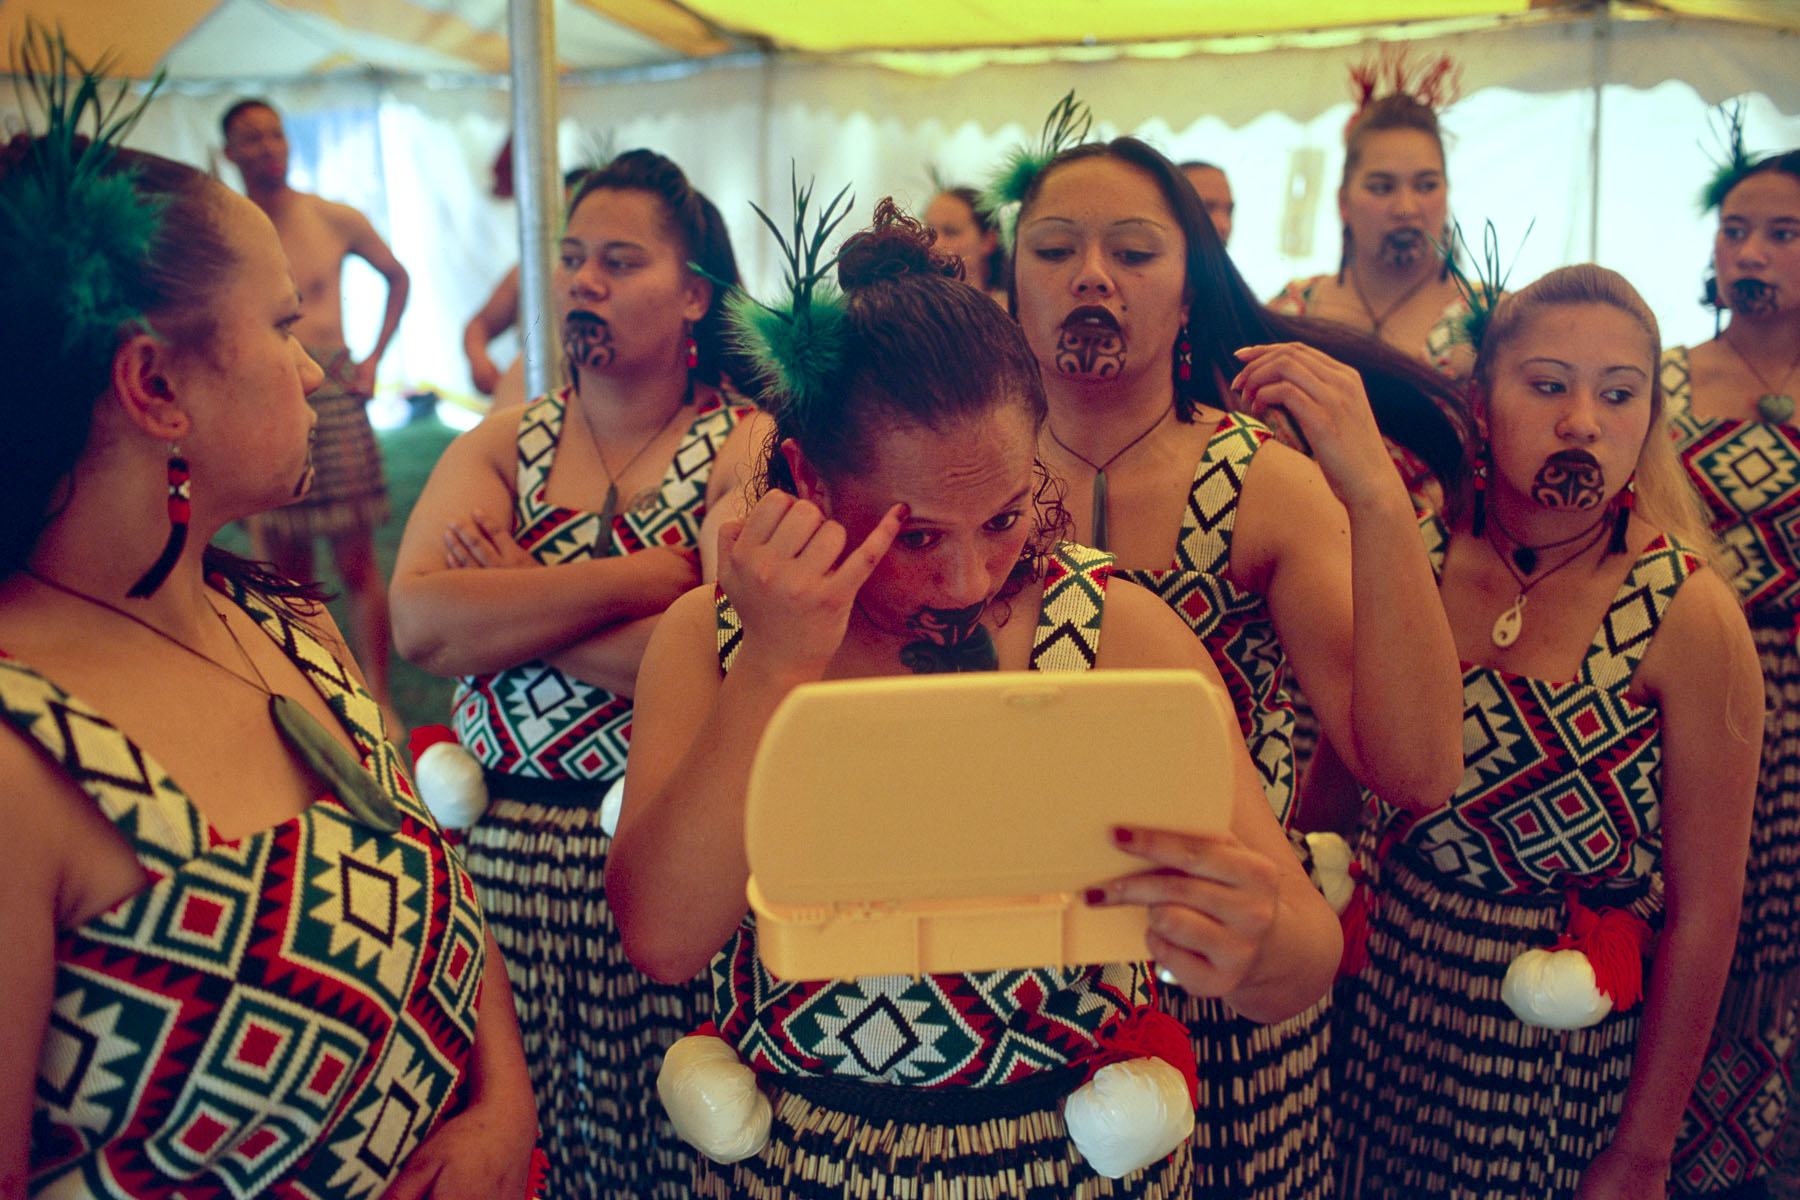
(1623, 504)
(1184, 356)
(1478, 508)
(179, 491)
(693, 352)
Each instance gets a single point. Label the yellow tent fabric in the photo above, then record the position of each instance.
(287, 39)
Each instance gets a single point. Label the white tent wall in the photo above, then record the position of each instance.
(1524, 147)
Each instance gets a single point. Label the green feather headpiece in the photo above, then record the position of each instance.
(797, 345)
(1066, 126)
(1482, 293)
(1734, 163)
(67, 225)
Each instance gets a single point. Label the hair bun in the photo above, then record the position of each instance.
(894, 245)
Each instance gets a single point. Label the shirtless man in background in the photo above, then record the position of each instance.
(348, 497)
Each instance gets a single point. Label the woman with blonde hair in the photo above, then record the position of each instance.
(1610, 734)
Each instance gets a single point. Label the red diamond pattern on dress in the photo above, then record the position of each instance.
(258, 1045)
(203, 1134)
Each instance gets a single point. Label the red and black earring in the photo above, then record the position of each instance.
(693, 352)
(1184, 356)
(1478, 504)
(1623, 504)
(179, 491)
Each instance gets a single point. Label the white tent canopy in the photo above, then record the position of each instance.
(1594, 123)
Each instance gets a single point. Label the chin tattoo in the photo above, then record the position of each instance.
(1755, 297)
(587, 340)
(1101, 355)
(1569, 479)
(950, 640)
(1402, 248)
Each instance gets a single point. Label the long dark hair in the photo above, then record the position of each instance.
(705, 244)
(1413, 405)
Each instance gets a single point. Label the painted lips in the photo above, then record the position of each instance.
(1091, 320)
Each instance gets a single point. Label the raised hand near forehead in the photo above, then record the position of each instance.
(785, 570)
(1325, 400)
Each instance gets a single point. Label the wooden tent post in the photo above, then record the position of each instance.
(531, 28)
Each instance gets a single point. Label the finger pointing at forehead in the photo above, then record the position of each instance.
(860, 563)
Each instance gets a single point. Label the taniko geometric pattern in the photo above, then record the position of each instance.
(284, 1015)
(974, 1029)
(532, 719)
(1748, 473)
(1234, 625)
(1561, 782)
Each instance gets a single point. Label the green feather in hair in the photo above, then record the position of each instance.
(1734, 163)
(798, 344)
(1484, 292)
(67, 227)
(1066, 126)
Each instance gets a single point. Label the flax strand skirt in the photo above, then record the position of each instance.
(1262, 1127)
(815, 1153)
(1441, 1090)
(595, 1028)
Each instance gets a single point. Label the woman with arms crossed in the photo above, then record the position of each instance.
(545, 545)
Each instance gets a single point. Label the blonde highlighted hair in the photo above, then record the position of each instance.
(1665, 496)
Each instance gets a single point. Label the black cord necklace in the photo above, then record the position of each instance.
(1099, 537)
(354, 786)
(1526, 556)
(1511, 621)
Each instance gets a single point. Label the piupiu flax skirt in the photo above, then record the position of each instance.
(1746, 1084)
(595, 1028)
(1440, 1090)
(1262, 1129)
(845, 1140)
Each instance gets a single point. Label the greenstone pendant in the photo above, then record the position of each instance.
(1774, 407)
(1100, 530)
(350, 781)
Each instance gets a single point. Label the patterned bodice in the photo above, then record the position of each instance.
(1748, 475)
(532, 719)
(284, 1015)
(1562, 782)
(1233, 624)
(972, 1029)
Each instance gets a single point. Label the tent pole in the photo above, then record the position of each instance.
(531, 29)
(1602, 71)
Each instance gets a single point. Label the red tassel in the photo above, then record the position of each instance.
(539, 1174)
(693, 353)
(1146, 1033)
(1355, 920)
(1615, 941)
(424, 737)
(1623, 504)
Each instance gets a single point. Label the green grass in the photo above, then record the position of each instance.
(409, 453)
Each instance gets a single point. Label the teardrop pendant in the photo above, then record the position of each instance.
(1100, 530)
(1509, 624)
(349, 780)
(608, 510)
